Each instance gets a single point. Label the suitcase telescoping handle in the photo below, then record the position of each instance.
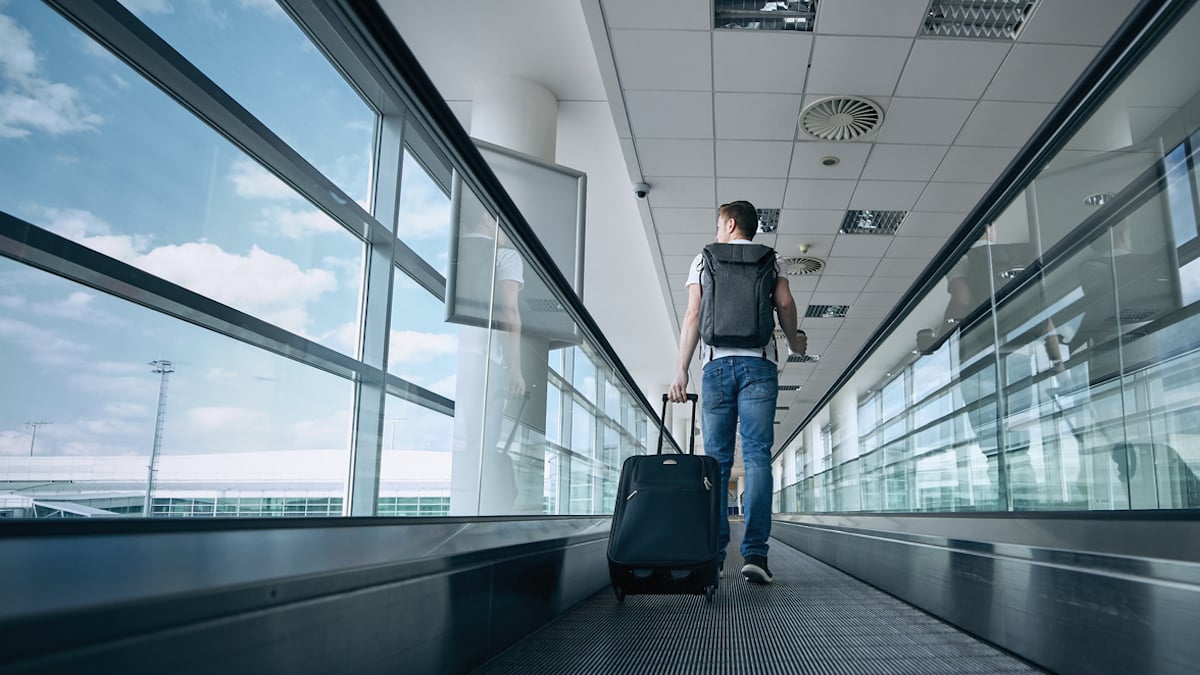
(662, 424)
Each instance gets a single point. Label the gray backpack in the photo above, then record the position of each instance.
(737, 288)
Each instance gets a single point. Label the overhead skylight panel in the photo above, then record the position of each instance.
(795, 15)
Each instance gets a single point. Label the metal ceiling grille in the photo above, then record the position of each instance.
(803, 265)
(872, 222)
(797, 15)
(841, 118)
(977, 19)
(803, 358)
(826, 311)
(790, 387)
(768, 220)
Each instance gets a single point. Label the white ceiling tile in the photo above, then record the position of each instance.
(879, 299)
(669, 114)
(901, 18)
(765, 238)
(867, 66)
(679, 14)
(951, 68)
(1039, 72)
(861, 246)
(924, 120)
(764, 193)
(1004, 124)
(886, 195)
(818, 245)
(803, 283)
(806, 159)
(1076, 22)
(902, 267)
(678, 264)
(812, 221)
(684, 220)
(686, 192)
(662, 59)
(832, 284)
(675, 157)
(833, 298)
(753, 159)
(920, 224)
(952, 197)
(915, 247)
(767, 117)
(870, 312)
(903, 162)
(683, 244)
(849, 267)
(818, 194)
(974, 165)
(760, 61)
(857, 324)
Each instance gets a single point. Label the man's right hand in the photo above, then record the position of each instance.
(678, 391)
(799, 345)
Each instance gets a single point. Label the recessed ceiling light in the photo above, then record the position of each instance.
(1098, 199)
(830, 160)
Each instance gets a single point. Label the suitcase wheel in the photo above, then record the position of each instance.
(620, 593)
(709, 593)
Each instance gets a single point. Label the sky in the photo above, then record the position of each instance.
(93, 152)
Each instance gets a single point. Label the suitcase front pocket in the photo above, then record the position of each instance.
(665, 526)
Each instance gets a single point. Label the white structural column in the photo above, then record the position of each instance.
(486, 479)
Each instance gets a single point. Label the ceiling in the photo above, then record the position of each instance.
(709, 116)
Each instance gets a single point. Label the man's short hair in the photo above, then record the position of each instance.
(744, 215)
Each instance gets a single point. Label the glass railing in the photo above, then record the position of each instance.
(1056, 365)
(208, 311)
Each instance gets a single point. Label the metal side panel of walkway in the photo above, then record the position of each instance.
(812, 619)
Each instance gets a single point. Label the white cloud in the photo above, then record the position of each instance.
(268, 7)
(225, 418)
(125, 409)
(219, 374)
(30, 103)
(121, 82)
(142, 7)
(260, 282)
(447, 387)
(76, 306)
(344, 337)
(297, 224)
(14, 443)
(406, 346)
(251, 180)
(45, 346)
(426, 211)
(11, 302)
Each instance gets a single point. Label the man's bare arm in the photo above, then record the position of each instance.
(689, 337)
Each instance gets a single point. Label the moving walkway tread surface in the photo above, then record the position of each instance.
(812, 619)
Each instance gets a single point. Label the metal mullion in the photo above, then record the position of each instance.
(143, 50)
(370, 393)
(34, 246)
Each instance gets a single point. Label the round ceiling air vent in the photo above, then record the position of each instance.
(841, 118)
(803, 265)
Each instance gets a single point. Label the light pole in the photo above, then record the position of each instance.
(32, 438)
(164, 369)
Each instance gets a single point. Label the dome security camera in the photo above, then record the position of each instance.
(641, 190)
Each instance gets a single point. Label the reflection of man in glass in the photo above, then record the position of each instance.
(494, 295)
(1123, 292)
(971, 283)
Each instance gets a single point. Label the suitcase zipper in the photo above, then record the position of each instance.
(631, 494)
(707, 485)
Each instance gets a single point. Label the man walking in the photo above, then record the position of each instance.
(735, 289)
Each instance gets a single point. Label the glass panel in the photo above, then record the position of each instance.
(156, 188)
(414, 474)
(234, 422)
(423, 223)
(257, 54)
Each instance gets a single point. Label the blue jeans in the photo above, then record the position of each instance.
(742, 388)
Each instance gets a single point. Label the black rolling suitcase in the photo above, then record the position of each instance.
(665, 528)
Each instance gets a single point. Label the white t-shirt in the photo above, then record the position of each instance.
(710, 353)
